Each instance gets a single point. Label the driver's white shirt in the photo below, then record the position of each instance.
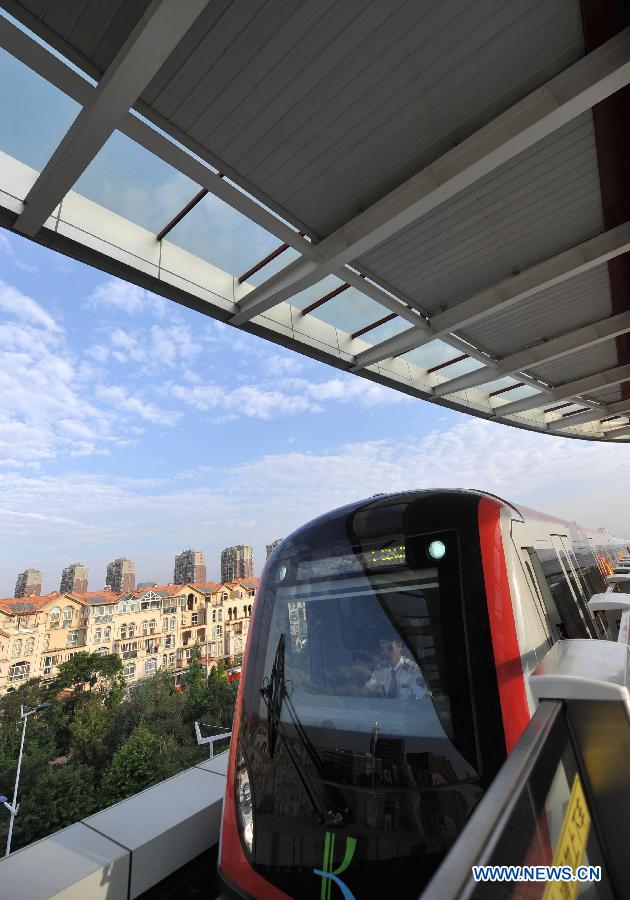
(410, 683)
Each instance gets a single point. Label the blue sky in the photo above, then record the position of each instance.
(132, 426)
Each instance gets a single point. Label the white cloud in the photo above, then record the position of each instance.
(15, 303)
(352, 389)
(98, 352)
(5, 245)
(247, 401)
(283, 365)
(128, 298)
(53, 406)
(26, 267)
(119, 398)
(151, 519)
(289, 396)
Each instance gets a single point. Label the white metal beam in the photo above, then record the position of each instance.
(555, 348)
(622, 406)
(624, 431)
(575, 261)
(585, 83)
(46, 64)
(151, 42)
(571, 389)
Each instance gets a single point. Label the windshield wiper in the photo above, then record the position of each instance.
(274, 693)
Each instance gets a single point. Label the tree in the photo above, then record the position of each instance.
(92, 732)
(87, 669)
(196, 689)
(133, 766)
(221, 697)
(51, 798)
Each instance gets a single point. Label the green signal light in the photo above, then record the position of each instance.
(437, 549)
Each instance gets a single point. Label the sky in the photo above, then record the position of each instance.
(131, 426)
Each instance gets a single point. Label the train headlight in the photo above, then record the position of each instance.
(244, 804)
(437, 549)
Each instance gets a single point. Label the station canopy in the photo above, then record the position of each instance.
(439, 190)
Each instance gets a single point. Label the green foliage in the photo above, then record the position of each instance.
(87, 669)
(58, 796)
(133, 766)
(102, 741)
(92, 731)
(221, 697)
(196, 692)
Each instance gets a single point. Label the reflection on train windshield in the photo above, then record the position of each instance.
(373, 650)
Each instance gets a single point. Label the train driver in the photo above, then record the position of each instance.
(396, 676)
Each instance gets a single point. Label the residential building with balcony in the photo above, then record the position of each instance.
(237, 562)
(272, 546)
(121, 575)
(36, 635)
(74, 578)
(29, 583)
(150, 629)
(229, 614)
(190, 567)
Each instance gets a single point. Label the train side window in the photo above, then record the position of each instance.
(568, 568)
(550, 627)
(557, 595)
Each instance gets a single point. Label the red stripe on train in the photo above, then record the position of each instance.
(507, 656)
(233, 863)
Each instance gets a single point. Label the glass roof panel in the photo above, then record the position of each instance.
(458, 368)
(498, 384)
(224, 237)
(571, 407)
(433, 354)
(525, 390)
(350, 310)
(35, 115)
(280, 262)
(315, 292)
(129, 180)
(386, 331)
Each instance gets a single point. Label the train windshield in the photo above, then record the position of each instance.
(364, 646)
(358, 714)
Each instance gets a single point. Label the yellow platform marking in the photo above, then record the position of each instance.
(571, 845)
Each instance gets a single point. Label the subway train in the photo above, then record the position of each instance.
(385, 681)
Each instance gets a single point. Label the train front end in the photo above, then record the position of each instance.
(368, 723)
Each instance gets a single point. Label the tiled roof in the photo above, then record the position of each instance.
(242, 582)
(94, 598)
(19, 606)
(166, 590)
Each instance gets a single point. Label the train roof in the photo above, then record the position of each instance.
(522, 512)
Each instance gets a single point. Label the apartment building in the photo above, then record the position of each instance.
(190, 567)
(29, 583)
(230, 609)
(272, 546)
(121, 575)
(237, 562)
(74, 578)
(33, 632)
(151, 628)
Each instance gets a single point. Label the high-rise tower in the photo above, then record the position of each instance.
(29, 583)
(272, 546)
(74, 579)
(190, 566)
(237, 562)
(121, 575)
